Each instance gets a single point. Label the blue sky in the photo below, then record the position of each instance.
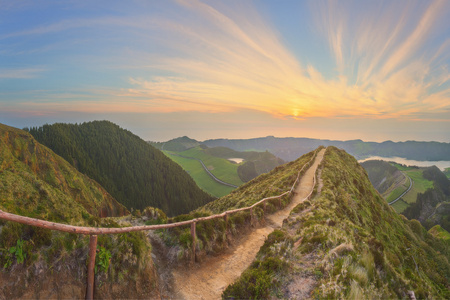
(371, 70)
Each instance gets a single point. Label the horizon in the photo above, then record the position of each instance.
(374, 71)
(245, 138)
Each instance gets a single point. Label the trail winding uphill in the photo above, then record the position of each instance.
(208, 279)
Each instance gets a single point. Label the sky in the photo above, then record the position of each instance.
(370, 70)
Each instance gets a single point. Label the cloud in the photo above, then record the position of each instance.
(216, 56)
(25, 73)
(234, 58)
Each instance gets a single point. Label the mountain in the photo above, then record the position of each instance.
(177, 144)
(39, 263)
(36, 182)
(346, 242)
(290, 148)
(131, 170)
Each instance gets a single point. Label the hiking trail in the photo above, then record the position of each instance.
(208, 279)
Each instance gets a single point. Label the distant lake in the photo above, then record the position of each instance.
(441, 164)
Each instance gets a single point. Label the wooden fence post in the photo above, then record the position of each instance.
(193, 240)
(91, 266)
(225, 218)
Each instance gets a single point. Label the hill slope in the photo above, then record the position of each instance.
(346, 243)
(384, 177)
(428, 199)
(36, 182)
(38, 263)
(134, 172)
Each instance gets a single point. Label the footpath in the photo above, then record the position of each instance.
(208, 279)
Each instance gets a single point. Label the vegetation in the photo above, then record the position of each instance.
(131, 170)
(427, 201)
(447, 172)
(222, 168)
(37, 183)
(212, 234)
(350, 243)
(219, 162)
(386, 178)
(439, 232)
(203, 180)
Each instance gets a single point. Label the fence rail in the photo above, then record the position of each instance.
(94, 231)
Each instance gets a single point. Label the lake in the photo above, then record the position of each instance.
(441, 164)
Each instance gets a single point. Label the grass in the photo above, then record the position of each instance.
(356, 245)
(440, 232)
(420, 185)
(400, 206)
(220, 167)
(447, 172)
(203, 180)
(397, 192)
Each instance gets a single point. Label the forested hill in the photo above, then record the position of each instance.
(35, 182)
(131, 170)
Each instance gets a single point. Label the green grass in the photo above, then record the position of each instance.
(420, 184)
(203, 180)
(355, 246)
(447, 172)
(221, 168)
(440, 233)
(400, 206)
(397, 192)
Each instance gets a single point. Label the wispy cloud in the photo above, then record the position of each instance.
(233, 58)
(390, 60)
(25, 73)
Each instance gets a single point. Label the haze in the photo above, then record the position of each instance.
(368, 70)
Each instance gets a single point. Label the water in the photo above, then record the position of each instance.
(441, 164)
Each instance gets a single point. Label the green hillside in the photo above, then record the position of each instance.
(40, 263)
(439, 232)
(131, 170)
(177, 145)
(212, 234)
(37, 183)
(221, 168)
(385, 178)
(447, 172)
(346, 242)
(228, 165)
(428, 199)
(195, 169)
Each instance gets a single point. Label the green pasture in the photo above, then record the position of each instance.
(222, 168)
(203, 180)
(400, 206)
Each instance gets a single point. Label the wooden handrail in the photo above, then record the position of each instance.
(94, 231)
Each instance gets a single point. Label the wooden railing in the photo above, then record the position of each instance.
(94, 231)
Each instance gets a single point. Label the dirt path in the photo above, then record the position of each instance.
(208, 279)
